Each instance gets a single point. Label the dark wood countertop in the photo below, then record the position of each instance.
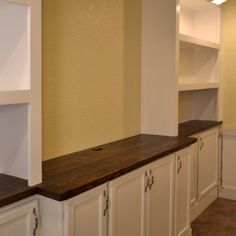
(13, 189)
(67, 176)
(72, 174)
(192, 127)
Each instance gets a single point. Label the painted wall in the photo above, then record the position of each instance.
(229, 98)
(228, 64)
(91, 73)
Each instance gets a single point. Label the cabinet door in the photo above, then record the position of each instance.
(19, 220)
(161, 197)
(207, 162)
(86, 214)
(182, 193)
(193, 173)
(128, 204)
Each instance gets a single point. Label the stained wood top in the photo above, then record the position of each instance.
(67, 176)
(72, 174)
(196, 126)
(13, 189)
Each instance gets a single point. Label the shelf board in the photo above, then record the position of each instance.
(14, 97)
(199, 42)
(197, 86)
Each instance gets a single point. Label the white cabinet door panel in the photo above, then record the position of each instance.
(207, 162)
(161, 197)
(19, 220)
(128, 210)
(85, 213)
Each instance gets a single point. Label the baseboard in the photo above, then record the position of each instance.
(228, 192)
(202, 204)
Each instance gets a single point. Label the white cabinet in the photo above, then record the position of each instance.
(20, 220)
(204, 171)
(148, 201)
(193, 173)
(207, 162)
(86, 214)
(20, 89)
(161, 197)
(128, 204)
(182, 193)
(142, 202)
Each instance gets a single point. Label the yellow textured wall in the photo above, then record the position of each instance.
(91, 73)
(229, 64)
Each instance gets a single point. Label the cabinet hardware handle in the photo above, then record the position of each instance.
(152, 182)
(147, 185)
(36, 222)
(201, 144)
(179, 165)
(106, 203)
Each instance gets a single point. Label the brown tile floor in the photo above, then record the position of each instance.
(219, 219)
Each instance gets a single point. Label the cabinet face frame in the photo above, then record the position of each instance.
(96, 194)
(182, 164)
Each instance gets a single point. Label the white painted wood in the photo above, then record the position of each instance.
(35, 113)
(14, 45)
(200, 19)
(193, 173)
(84, 214)
(14, 140)
(197, 41)
(197, 86)
(197, 64)
(159, 67)
(207, 162)
(161, 197)
(18, 220)
(127, 216)
(51, 217)
(20, 83)
(15, 97)
(202, 204)
(198, 105)
(182, 193)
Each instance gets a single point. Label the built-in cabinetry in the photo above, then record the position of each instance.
(148, 201)
(142, 202)
(87, 214)
(181, 65)
(20, 219)
(204, 171)
(20, 89)
(199, 58)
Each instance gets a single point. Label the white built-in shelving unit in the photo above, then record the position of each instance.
(20, 89)
(180, 64)
(199, 58)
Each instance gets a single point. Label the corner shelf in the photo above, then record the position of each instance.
(198, 86)
(197, 41)
(14, 97)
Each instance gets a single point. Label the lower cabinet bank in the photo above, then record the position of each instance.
(150, 201)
